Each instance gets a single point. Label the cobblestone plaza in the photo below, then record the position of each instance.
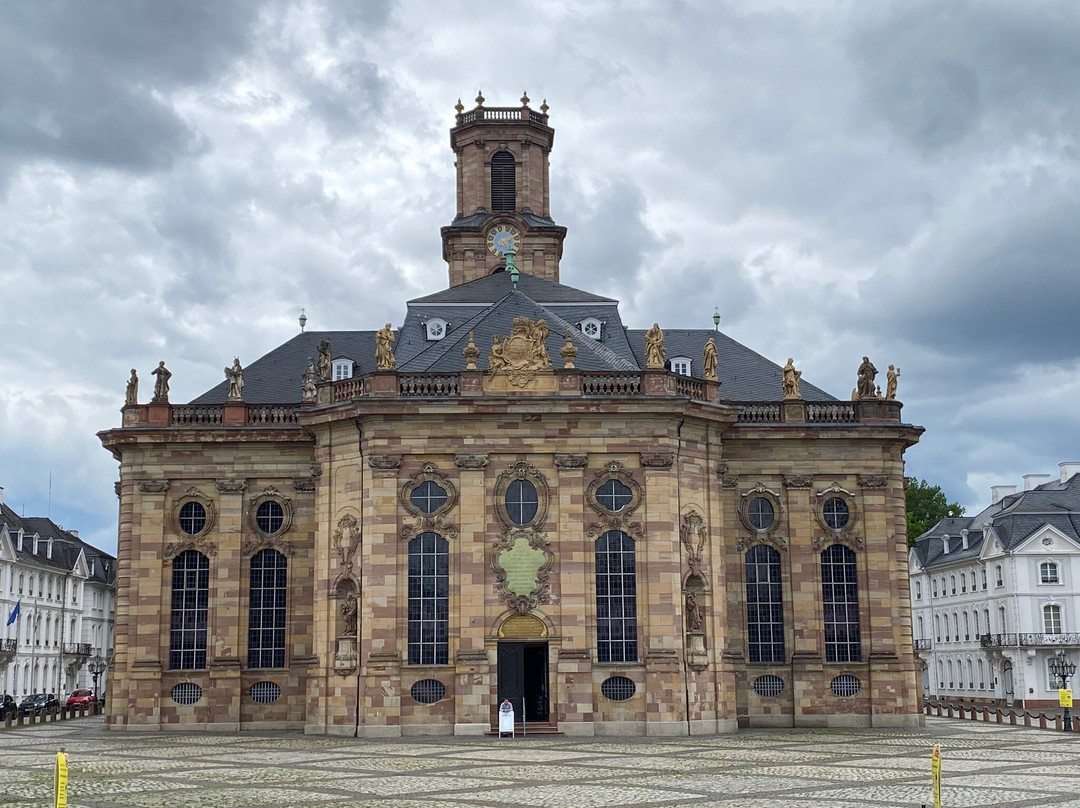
(984, 764)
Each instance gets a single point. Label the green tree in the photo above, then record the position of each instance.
(926, 506)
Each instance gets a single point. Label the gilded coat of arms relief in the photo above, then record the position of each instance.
(522, 354)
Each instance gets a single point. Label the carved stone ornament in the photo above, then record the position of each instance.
(620, 520)
(173, 549)
(522, 354)
(828, 535)
(385, 462)
(436, 520)
(154, 486)
(522, 561)
(744, 543)
(730, 481)
(657, 460)
(571, 461)
(694, 534)
(345, 540)
(848, 539)
(231, 486)
(316, 469)
(471, 461)
(270, 494)
(797, 481)
(522, 471)
(259, 542)
(872, 480)
(192, 495)
(304, 484)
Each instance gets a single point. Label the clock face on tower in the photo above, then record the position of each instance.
(503, 238)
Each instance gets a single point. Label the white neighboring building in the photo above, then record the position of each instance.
(65, 593)
(994, 596)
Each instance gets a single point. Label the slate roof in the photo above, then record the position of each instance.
(66, 546)
(488, 306)
(1017, 518)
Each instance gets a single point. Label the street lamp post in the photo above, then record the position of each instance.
(1062, 668)
(96, 667)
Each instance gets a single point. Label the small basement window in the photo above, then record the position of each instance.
(680, 365)
(436, 329)
(343, 369)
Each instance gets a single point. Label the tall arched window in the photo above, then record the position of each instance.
(266, 610)
(764, 605)
(190, 607)
(429, 600)
(616, 598)
(967, 627)
(840, 598)
(503, 182)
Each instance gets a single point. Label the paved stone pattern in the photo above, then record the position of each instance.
(984, 765)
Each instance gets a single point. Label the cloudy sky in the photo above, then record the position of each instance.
(897, 179)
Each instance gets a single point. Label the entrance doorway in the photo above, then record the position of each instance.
(523, 678)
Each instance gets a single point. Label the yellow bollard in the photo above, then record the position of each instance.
(60, 780)
(935, 774)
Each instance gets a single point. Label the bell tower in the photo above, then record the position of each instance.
(502, 193)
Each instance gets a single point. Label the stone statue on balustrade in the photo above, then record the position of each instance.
(131, 395)
(866, 376)
(710, 361)
(791, 380)
(161, 384)
(654, 348)
(308, 391)
(890, 387)
(235, 377)
(384, 351)
(324, 360)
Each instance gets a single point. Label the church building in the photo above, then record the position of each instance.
(512, 495)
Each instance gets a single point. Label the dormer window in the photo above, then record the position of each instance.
(436, 329)
(591, 327)
(342, 368)
(680, 365)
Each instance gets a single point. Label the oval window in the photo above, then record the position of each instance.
(428, 497)
(186, 693)
(845, 685)
(836, 513)
(618, 688)
(192, 518)
(613, 496)
(269, 517)
(768, 686)
(265, 692)
(428, 691)
(760, 513)
(521, 502)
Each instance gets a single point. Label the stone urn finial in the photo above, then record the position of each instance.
(524, 98)
(479, 98)
(568, 352)
(459, 107)
(471, 353)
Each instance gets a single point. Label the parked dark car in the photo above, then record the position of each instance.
(40, 704)
(83, 695)
(8, 708)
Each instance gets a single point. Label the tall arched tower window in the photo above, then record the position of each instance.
(190, 607)
(503, 182)
(266, 610)
(429, 600)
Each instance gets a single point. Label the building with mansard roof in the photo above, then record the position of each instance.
(512, 495)
(995, 596)
(56, 598)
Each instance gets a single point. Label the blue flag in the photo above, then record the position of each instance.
(15, 613)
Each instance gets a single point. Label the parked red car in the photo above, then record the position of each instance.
(80, 697)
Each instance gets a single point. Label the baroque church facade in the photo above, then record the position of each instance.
(512, 496)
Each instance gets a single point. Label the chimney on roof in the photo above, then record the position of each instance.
(945, 544)
(1068, 470)
(999, 492)
(964, 538)
(1032, 481)
(74, 533)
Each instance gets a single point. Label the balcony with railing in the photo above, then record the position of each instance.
(1028, 640)
(922, 645)
(77, 649)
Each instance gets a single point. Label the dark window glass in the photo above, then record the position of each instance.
(269, 517)
(503, 182)
(192, 518)
(764, 605)
(428, 497)
(190, 596)
(840, 597)
(760, 513)
(429, 600)
(266, 610)
(614, 496)
(521, 502)
(836, 513)
(616, 598)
